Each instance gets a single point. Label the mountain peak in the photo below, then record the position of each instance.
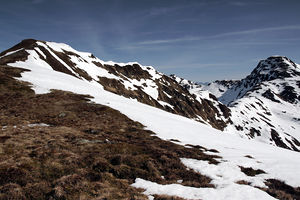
(275, 67)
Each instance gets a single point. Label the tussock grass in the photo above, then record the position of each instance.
(249, 171)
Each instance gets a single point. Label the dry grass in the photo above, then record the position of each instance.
(166, 197)
(277, 189)
(281, 190)
(249, 171)
(88, 151)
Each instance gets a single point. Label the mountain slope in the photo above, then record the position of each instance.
(131, 80)
(59, 145)
(240, 169)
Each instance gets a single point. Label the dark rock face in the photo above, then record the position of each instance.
(289, 94)
(254, 132)
(133, 71)
(269, 95)
(277, 139)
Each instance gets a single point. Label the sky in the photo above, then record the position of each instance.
(200, 40)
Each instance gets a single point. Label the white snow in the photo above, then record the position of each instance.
(11, 52)
(165, 104)
(226, 173)
(215, 88)
(38, 125)
(235, 191)
(40, 52)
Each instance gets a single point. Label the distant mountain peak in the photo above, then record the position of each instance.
(275, 67)
(263, 104)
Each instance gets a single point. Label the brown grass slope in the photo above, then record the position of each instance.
(88, 151)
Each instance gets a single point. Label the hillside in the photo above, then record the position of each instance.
(130, 80)
(64, 136)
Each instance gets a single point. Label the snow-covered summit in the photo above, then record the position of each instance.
(275, 67)
(264, 104)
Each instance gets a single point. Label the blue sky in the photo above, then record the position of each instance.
(201, 40)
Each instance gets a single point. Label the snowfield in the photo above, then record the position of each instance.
(277, 162)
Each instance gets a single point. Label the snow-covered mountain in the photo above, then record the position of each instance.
(263, 105)
(276, 70)
(233, 167)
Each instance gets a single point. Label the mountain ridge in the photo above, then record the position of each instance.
(180, 96)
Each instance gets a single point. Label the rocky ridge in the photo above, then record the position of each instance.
(130, 80)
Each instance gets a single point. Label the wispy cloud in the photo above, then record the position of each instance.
(163, 10)
(242, 3)
(198, 65)
(260, 30)
(238, 3)
(38, 1)
(221, 35)
(149, 42)
(172, 9)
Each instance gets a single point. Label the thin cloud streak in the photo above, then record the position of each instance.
(38, 1)
(200, 65)
(235, 33)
